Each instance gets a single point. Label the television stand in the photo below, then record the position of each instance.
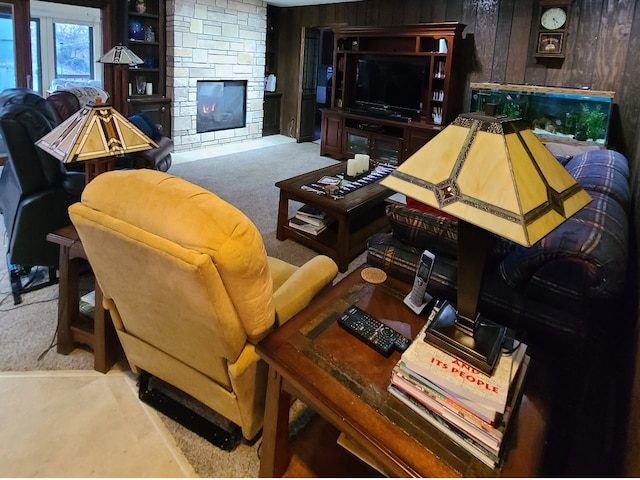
(419, 45)
(391, 139)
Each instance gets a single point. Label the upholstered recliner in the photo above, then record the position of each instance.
(190, 287)
(35, 190)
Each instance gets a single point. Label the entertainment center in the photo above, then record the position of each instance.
(394, 88)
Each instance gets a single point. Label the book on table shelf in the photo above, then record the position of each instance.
(473, 409)
(307, 227)
(312, 215)
(87, 303)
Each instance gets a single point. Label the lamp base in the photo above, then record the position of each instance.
(93, 168)
(477, 342)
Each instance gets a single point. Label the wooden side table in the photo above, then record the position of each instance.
(73, 326)
(345, 382)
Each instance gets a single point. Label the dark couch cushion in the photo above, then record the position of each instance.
(149, 128)
(426, 230)
(423, 230)
(603, 171)
(594, 241)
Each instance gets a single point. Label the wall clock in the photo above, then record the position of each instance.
(553, 18)
(552, 28)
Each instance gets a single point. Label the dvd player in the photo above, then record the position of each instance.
(380, 113)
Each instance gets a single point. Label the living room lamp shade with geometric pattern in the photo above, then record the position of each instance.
(121, 55)
(494, 175)
(95, 134)
(119, 59)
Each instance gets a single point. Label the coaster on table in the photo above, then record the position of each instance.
(373, 275)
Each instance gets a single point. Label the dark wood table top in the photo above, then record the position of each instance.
(346, 381)
(373, 192)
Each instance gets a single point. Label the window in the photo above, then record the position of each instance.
(66, 44)
(74, 51)
(36, 65)
(7, 61)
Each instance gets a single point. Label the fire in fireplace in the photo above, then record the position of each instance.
(222, 104)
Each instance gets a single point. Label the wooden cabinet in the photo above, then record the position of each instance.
(271, 124)
(373, 66)
(414, 138)
(331, 134)
(157, 109)
(381, 142)
(344, 134)
(143, 30)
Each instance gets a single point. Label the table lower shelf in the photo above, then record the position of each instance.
(328, 241)
(315, 452)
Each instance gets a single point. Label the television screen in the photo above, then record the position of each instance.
(391, 82)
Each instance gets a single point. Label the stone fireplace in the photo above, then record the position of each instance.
(210, 44)
(221, 105)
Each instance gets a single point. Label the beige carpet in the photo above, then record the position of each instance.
(82, 424)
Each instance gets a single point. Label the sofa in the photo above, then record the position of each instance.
(67, 102)
(570, 285)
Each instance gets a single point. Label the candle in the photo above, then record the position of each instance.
(363, 162)
(352, 167)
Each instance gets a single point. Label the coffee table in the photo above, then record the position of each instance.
(345, 382)
(357, 216)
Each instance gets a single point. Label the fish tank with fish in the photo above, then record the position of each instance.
(564, 115)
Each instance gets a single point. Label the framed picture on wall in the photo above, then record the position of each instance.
(550, 43)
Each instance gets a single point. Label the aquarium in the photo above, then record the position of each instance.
(564, 115)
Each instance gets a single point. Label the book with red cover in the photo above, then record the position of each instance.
(462, 380)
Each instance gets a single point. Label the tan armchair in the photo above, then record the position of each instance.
(190, 287)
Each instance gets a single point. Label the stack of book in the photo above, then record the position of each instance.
(310, 220)
(471, 408)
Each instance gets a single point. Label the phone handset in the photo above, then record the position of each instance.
(418, 298)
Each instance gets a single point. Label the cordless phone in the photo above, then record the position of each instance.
(418, 298)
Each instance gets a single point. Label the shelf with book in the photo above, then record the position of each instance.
(142, 28)
(311, 220)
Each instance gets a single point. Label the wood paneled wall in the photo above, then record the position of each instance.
(603, 41)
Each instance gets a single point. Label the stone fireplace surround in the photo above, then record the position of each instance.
(214, 40)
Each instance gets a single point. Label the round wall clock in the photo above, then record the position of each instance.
(553, 18)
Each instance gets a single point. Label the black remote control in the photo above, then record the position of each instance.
(373, 332)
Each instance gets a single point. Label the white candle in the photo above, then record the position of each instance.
(363, 162)
(352, 167)
(358, 161)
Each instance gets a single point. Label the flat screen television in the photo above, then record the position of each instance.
(392, 83)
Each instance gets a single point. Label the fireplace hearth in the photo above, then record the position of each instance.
(221, 104)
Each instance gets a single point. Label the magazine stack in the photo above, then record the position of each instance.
(470, 407)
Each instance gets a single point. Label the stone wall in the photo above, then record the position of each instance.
(214, 40)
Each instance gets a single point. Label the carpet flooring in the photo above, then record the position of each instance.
(28, 330)
(82, 424)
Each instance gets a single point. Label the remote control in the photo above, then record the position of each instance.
(418, 298)
(373, 332)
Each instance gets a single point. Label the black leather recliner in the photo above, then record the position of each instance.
(35, 190)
